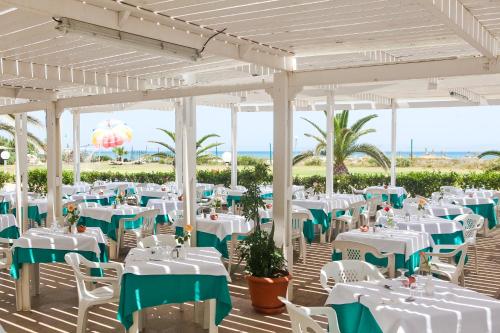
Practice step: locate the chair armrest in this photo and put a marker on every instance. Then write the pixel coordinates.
(455, 249)
(333, 326)
(118, 267)
(104, 279)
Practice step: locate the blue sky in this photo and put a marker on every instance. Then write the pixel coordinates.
(445, 129)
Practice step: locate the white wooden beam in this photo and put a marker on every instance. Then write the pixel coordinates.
(234, 145)
(24, 107)
(223, 45)
(398, 71)
(179, 137)
(69, 75)
(377, 99)
(458, 18)
(189, 164)
(330, 115)
(393, 142)
(50, 121)
(27, 93)
(76, 146)
(21, 141)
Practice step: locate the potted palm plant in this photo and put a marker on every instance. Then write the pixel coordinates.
(265, 263)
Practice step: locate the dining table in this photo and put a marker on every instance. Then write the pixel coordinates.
(397, 194)
(79, 187)
(107, 218)
(146, 194)
(164, 207)
(9, 229)
(49, 245)
(479, 205)
(216, 233)
(198, 276)
(103, 198)
(405, 244)
(434, 306)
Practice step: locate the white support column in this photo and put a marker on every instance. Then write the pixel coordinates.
(189, 164)
(21, 142)
(76, 146)
(179, 128)
(54, 164)
(330, 114)
(282, 165)
(393, 142)
(234, 145)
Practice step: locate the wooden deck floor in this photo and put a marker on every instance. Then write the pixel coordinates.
(55, 309)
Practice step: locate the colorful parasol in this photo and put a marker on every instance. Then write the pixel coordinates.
(111, 133)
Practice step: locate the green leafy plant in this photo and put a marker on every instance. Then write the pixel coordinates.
(251, 201)
(345, 142)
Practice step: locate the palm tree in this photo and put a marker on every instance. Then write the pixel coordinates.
(345, 142)
(119, 152)
(489, 153)
(202, 154)
(7, 126)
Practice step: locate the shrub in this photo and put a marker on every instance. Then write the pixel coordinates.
(313, 162)
(402, 162)
(249, 160)
(102, 158)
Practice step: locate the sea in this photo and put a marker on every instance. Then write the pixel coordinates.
(136, 154)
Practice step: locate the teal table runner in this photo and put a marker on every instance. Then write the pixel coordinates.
(103, 201)
(11, 232)
(22, 256)
(205, 239)
(396, 201)
(411, 264)
(487, 211)
(355, 318)
(34, 214)
(145, 199)
(321, 218)
(109, 228)
(143, 291)
(4, 207)
(237, 198)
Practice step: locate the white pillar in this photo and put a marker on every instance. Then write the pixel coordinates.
(393, 143)
(330, 114)
(282, 165)
(76, 146)
(179, 128)
(234, 144)
(189, 164)
(54, 164)
(21, 142)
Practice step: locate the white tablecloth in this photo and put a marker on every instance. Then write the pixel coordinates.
(451, 309)
(467, 201)
(239, 192)
(94, 196)
(388, 240)
(446, 210)
(153, 193)
(432, 225)
(165, 206)
(114, 185)
(198, 261)
(9, 196)
(268, 213)
(225, 226)
(44, 238)
(75, 188)
(337, 202)
(105, 213)
(7, 221)
(390, 189)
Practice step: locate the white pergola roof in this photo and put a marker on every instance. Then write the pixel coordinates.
(256, 39)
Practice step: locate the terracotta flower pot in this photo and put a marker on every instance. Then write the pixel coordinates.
(264, 293)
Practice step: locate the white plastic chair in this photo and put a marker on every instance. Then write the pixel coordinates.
(350, 220)
(298, 219)
(5, 257)
(355, 190)
(157, 240)
(454, 273)
(358, 251)
(345, 271)
(302, 322)
(101, 295)
(147, 227)
(472, 223)
(371, 210)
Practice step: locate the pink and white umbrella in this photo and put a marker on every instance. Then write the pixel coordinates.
(111, 133)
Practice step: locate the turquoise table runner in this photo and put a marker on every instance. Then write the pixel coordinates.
(355, 318)
(396, 201)
(204, 239)
(162, 219)
(411, 264)
(4, 207)
(237, 198)
(145, 199)
(319, 217)
(109, 228)
(103, 201)
(22, 256)
(487, 211)
(11, 232)
(143, 291)
(34, 214)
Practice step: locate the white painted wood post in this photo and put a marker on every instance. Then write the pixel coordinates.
(330, 114)
(189, 164)
(59, 177)
(54, 164)
(282, 166)
(234, 145)
(179, 127)
(21, 142)
(76, 146)
(393, 142)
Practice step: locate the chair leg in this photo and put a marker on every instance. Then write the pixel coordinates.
(232, 249)
(475, 259)
(82, 318)
(303, 250)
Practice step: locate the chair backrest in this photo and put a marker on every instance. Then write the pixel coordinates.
(355, 190)
(148, 221)
(461, 262)
(88, 205)
(471, 223)
(74, 260)
(372, 204)
(157, 240)
(298, 219)
(355, 211)
(355, 250)
(176, 216)
(299, 195)
(302, 322)
(122, 188)
(345, 271)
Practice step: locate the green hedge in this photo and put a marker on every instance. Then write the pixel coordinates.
(422, 183)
